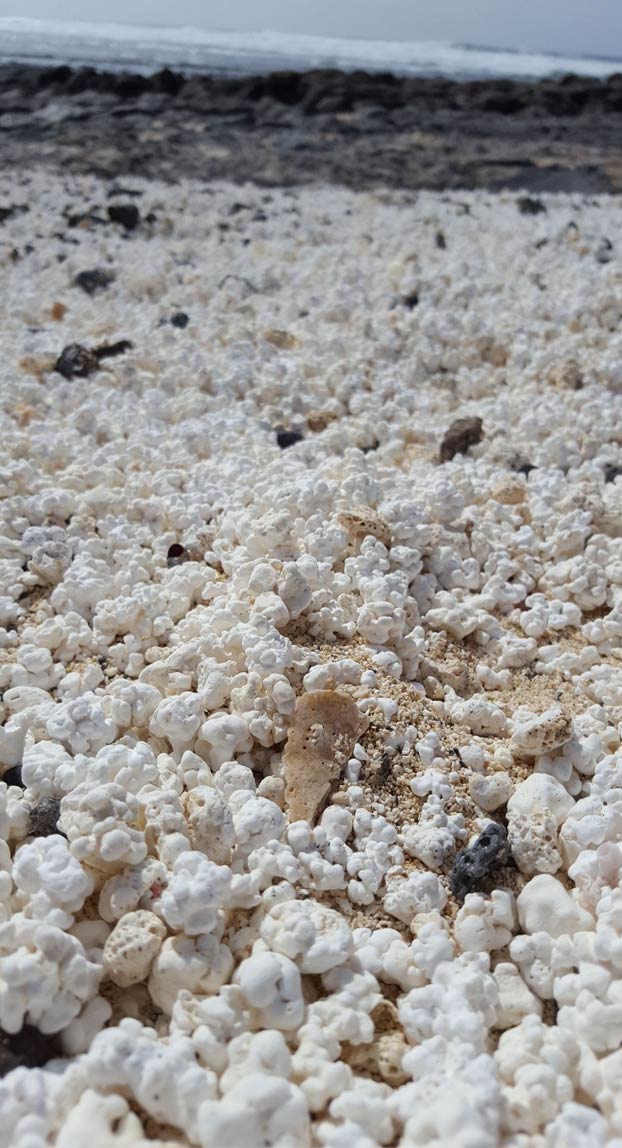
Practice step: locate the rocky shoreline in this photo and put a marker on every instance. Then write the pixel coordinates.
(359, 130)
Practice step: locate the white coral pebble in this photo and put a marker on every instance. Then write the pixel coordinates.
(536, 809)
(46, 866)
(544, 905)
(258, 1109)
(271, 984)
(197, 891)
(45, 975)
(316, 937)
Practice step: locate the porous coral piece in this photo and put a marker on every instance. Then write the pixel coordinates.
(132, 946)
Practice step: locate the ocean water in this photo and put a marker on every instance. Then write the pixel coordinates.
(145, 49)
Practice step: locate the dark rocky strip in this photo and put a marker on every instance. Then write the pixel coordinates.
(357, 129)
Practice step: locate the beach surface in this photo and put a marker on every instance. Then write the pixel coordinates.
(311, 557)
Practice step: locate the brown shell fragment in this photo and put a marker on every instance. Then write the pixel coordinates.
(462, 434)
(325, 728)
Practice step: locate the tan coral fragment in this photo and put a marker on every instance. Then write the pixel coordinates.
(321, 739)
(362, 520)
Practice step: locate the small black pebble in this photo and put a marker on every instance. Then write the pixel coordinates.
(411, 300)
(177, 554)
(440, 241)
(27, 1048)
(180, 319)
(612, 472)
(76, 361)
(13, 776)
(471, 866)
(44, 817)
(287, 438)
(127, 214)
(92, 281)
(529, 206)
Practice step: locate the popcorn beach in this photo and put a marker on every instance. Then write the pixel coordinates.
(310, 667)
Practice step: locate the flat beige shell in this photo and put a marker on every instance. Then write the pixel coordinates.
(322, 736)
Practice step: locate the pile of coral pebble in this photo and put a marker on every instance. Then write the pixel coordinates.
(310, 668)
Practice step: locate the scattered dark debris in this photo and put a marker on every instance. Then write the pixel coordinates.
(177, 554)
(382, 771)
(116, 190)
(462, 434)
(440, 240)
(27, 1048)
(287, 438)
(11, 210)
(180, 319)
(471, 866)
(44, 817)
(95, 280)
(612, 472)
(127, 214)
(528, 205)
(525, 468)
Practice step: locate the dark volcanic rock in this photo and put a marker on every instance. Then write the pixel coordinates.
(76, 361)
(27, 1048)
(411, 301)
(462, 434)
(13, 776)
(287, 438)
(289, 128)
(127, 214)
(177, 554)
(95, 280)
(44, 817)
(473, 866)
(529, 206)
(180, 319)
